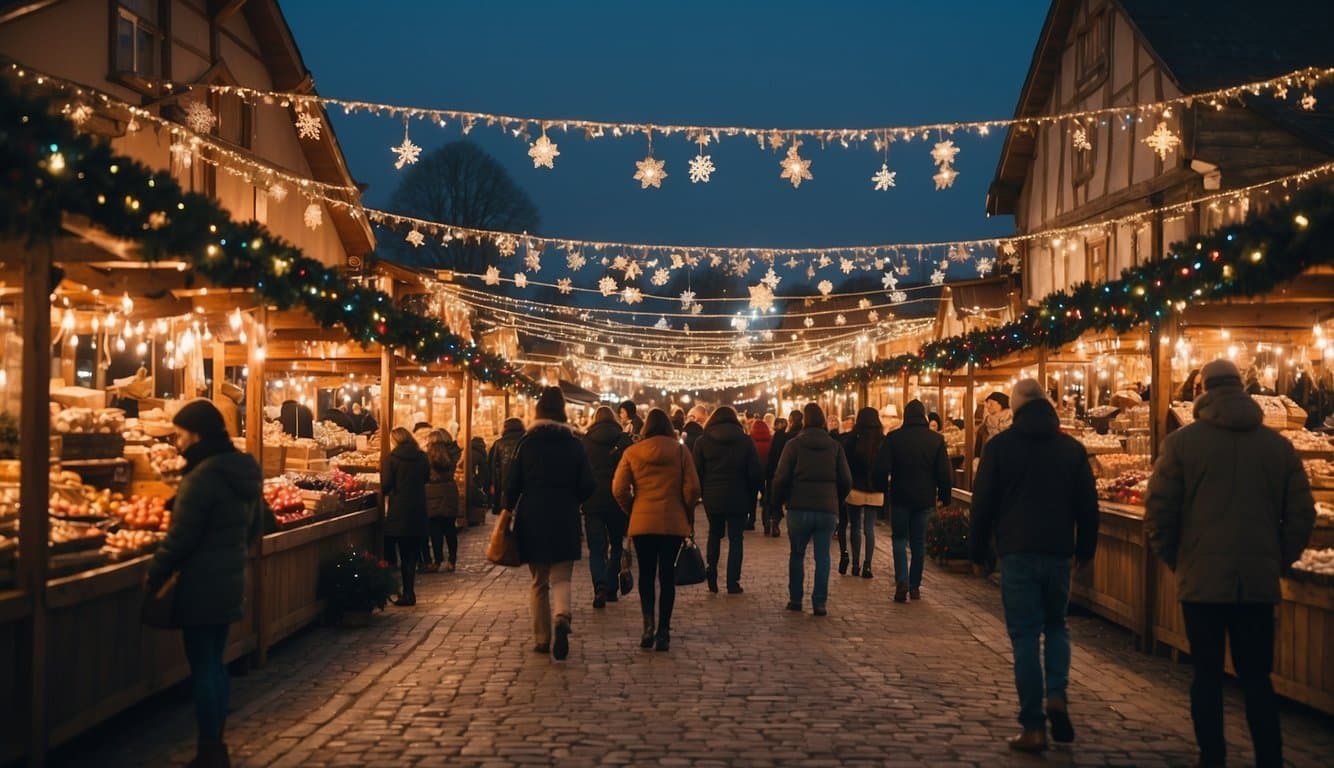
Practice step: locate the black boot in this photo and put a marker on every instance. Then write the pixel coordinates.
(843, 561)
(712, 576)
(646, 641)
(600, 598)
(663, 641)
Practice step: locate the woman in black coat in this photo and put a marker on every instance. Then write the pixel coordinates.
(730, 477)
(442, 500)
(605, 522)
(773, 513)
(403, 482)
(548, 479)
(867, 496)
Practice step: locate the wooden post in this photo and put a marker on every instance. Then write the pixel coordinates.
(34, 486)
(1042, 368)
(969, 429)
(254, 390)
(1160, 386)
(903, 393)
(466, 428)
(863, 394)
(219, 367)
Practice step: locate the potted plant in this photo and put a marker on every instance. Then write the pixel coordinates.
(356, 583)
(947, 538)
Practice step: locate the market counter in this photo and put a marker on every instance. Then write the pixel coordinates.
(15, 608)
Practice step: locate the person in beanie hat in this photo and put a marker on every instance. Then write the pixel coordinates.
(1229, 510)
(1035, 492)
(548, 480)
(914, 456)
(996, 418)
(215, 518)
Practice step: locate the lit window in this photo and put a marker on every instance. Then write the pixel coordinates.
(140, 41)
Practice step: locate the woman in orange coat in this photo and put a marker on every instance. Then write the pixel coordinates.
(656, 485)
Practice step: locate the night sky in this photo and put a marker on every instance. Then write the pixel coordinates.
(764, 64)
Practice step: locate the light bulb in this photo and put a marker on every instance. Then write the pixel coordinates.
(141, 349)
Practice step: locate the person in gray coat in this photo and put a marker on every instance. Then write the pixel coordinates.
(811, 479)
(1229, 510)
(406, 524)
(215, 518)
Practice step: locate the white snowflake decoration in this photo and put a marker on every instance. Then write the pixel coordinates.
(416, 238)
(565, 285)
(872, 316)
(678, 261)
(701, 169)
(506, 245)
(575, 261)
(840, 319)
(1162, 141)
(1008, 248)
(696, 308)
(543, 152)
(1308, 102)
(650, 172)
(944, 153)
(199, 117)
(1081, 139)
(889, 282)
(687, 299)
(632, 295)
(662, 324)
(825, 287)
(619, 263)
(761, 297)
(771, 279)
(864, 304)
(958, 253)
(607, 286)
(945, 177)
(661, 276)
(632, 269)
(80, 114)
(808, 322)
(308, 126)
(533, 260)
(314, 215)
(407, 152)
(984, 266)
(898, 297)
(938, 277)
(491, 276)
(795, 169)
(904, 269)
(520, 280)
(884, 178)
(277, 192)
(846, 265)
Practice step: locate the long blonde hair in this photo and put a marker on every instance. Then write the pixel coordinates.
(400, 435)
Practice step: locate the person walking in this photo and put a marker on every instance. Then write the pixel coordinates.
(548, 481)
(730, 478)
(862, 447)
(406, 524)
(442, 500)
(1035, 491)
(498, 462)
(812, 477)
(215, 519)
(772, 510)
(629, 416)
(1229, 510)
(695, 421)
(762, 435)
(477, 482)
(605, 522)
(917, 463)
(656, 485)
(997, 416)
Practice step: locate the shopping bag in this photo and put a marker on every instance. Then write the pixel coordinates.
(689, 564)
(627, 575)
(503, 548)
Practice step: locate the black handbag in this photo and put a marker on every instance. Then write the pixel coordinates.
(627, 576)
(689, 564)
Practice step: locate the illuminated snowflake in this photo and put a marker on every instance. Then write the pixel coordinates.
(846, 265)
(884, 178)
(840, 319)
(795, 168)
(661, 276)
(277, 192)
(564, 285)
(761, 297)
(650, 172)
(314, 215)
(632, 295)
(771, 279)
(575, 261)
(701, 168)
(506, 245)
(898, 297)
(984, 266)
(407, 153)
(632, 269)
(678, 261)
(491, 276)
(199, 117)
(308, 126)
(687, 299)
(808, 322)
(1162, 141)
(872, 316)
(533, 260)
(607, 286)
(662, 324)
(825, 287)
(416, 238)
(889, 282)
(938, 277)
(543, 152)
(945, 177)
(944, 153)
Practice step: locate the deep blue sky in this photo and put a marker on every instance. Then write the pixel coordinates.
(781, 64)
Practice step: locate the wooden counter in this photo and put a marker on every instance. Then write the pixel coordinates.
(1113, 585)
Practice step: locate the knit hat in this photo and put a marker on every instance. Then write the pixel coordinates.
(1025, 392)
(1220, 373)
(551, 404)
(200, 417)
(914, 409)
(1000, 398)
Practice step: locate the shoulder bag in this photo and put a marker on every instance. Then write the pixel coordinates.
(689, 568)
(503, 548)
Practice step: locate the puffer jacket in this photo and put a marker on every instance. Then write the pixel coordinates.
(763, 437)
(403, 483)
(549, 479)
(442, 491)
(215, 517)
(605, 443)
(915, 460)
(776, 450)
(730, 475)
(498, 462)
(813, 473)
(1229, 506)
(657, 486)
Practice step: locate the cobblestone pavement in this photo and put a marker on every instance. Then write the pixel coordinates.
(746, 683)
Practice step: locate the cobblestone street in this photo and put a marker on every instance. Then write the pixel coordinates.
(454, 682)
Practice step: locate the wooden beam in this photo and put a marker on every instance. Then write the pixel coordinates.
(254, 394)
(969, 428)
(469, 387)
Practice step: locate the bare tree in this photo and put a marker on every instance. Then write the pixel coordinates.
(460, 184)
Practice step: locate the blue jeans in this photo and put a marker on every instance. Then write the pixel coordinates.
(909, 533)
(604, 567)
(803, 527)
(208, 678)
(1035, 589)
(862, 522)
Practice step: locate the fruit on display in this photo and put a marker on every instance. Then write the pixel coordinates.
(1129, 487)
(292, 516)
(1110, 465)
(82, 501)
(1317, 561)
(165, 459)
(330, 435)
(341, 483)
(105, 421)
(283, 496)
(63, 531)
(1306, 440)
(1094, 442)
(1324, 512)
(147, 513)
(126, 543)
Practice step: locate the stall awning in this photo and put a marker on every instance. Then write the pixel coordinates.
(577, 394)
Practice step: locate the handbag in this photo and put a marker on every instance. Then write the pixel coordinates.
(159, 607)
(627, 575)
(689, 564)
(503, 548)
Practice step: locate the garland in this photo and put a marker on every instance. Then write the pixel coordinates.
(1249, 259)
(50, 169)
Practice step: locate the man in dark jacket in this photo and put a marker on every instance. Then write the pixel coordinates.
(1035, 491)
(499, 459)
(773, 511)
(1229, 510)
(695, 425)
(811, 480)
(605, 522)
(730, 478)
(915, 460)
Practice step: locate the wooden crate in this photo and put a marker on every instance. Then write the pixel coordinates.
(1113, 585)
(1303, 656)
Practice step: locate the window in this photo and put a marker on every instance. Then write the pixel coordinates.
(1095, 266)
(140, 48)
(1091, 52)
(1083, 153)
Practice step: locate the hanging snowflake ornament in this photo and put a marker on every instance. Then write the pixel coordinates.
(506, 245)
(808, 322)
(491, 276)
(277, 192)
(825, 287)
(771, 279)
(898, 297)
(607, 286)
(79, 114)
(872, 316)
(1008, 248)
(632, 269)
(904, 269)
(314, 215)
(687, 299)
(938, 277)
(864, 304)
(795, 169)
(889, 282)
(199, 117)
(1080, 138)
(958, 253)
(846, 266)
(884, 178)
(840, 319)
(416, 238)
(944, 153)
(1162, 141)
(984, 266)
(661, 276)
(407, 152)
(945, 177)
(520, 280)
(308, 126)
(1308, 102)
(543, 152)
(632, 295)
(650, 172)
(761, 297)
(565, 285)
(662, 324)
(678, 261)
(701, 169)
(741, 267)
(532, 261)
(575, 261)
(696, 308)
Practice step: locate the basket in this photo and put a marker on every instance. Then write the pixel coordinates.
(91, 445)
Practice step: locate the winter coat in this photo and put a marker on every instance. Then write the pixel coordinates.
(1229, 506)
(730, 474)
(763, 437)
(548, 480)
(605, 444)
(215, 517)
(992, 424)
(498, 462)
(775, 451)
(1035, 491)
(477, 480)
(917, 465)
(403, 483)
(865, 477)
(442, 492)
(812, 473)
(692, 432)
(657, 486)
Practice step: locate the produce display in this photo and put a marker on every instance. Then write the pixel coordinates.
(1321, 472)
(282, 496)
(124, 543)
(341, 483)
(1111, 465)
(82, 501)
(1096, 443)
(330, 435)
(166, 459)
(1306, 440)
(364, 461)
(64, 532)
(148, 513)
(1129, 487)
(293, 516)
(104, 421)
(1324, 512)
(1316, 561)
